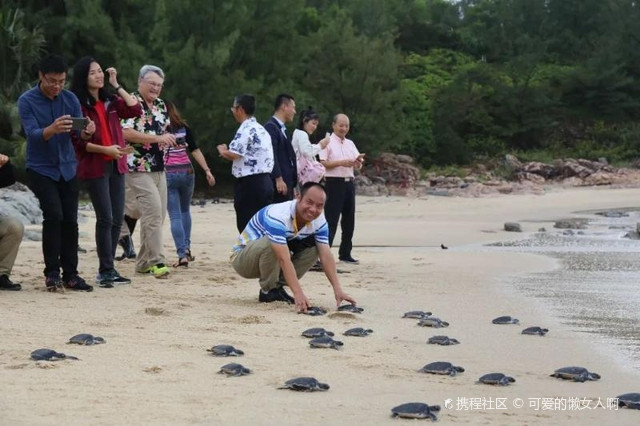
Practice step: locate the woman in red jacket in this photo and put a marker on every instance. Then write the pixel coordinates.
(102, 156)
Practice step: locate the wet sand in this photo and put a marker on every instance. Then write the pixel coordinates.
(154, 368)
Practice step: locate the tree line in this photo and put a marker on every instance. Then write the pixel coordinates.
(447, 82)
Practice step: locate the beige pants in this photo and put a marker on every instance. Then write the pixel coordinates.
(150, 190)
(130, 205)
(11, 231)
(257, 260)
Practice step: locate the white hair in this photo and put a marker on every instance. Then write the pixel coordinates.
(146, 69)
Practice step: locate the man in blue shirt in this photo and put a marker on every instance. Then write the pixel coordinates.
(46, 111)
(281, 242)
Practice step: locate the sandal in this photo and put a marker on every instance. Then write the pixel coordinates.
(190, 258)
(181, 263)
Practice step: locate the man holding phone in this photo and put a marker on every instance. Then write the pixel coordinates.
(341, 158)
(45, 111)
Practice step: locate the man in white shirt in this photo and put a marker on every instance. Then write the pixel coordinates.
(252, 156)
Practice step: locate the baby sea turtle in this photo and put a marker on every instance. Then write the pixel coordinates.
(225, 350)
(358, 332)
(305, 384)
(416, 314)
(234, 369)
(350, 308)
(505, 320)
(577, 374)
(629, 400)
(49, 355)
(316, 332)
(415, 410)
(432, 322)
(535, 331)
(325, 342)
(496, 379)
(315, 311)
(441, 367)
(442, 340)
(86, 339)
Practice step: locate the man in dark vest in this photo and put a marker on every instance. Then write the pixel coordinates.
(284, 174)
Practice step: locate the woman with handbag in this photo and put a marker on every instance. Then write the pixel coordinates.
(309, 168)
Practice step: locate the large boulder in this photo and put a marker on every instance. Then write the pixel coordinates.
(20, 203)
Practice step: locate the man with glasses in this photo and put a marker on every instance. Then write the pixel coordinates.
(285, 169)
(146, 181)
(45, 111)
(252, 156)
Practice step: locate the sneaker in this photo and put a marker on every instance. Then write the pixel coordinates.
(349, 259)
(159, 270)
(53, 282)
(119, 279)
(77, 283)
(6, 284)
(275, 295)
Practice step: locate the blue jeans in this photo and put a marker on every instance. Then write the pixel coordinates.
(179, 193)
(107, 197)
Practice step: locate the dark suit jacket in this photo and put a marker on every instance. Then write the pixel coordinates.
(284, 164)
(7, 175)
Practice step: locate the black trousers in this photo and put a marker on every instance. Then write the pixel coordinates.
(250, 194)
(59, 204)
(107, 197)
(341, 201)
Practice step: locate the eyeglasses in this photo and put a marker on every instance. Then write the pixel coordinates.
(235, 107)
(53, 82)
(154, 84)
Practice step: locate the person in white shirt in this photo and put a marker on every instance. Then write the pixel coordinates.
(252, 156)
(309, 168)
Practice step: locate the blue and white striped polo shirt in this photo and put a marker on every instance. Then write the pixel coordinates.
(277, 222)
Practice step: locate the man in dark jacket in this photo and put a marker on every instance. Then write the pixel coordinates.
(284, 174)
(11, 231)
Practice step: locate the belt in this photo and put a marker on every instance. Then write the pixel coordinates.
(341, 179)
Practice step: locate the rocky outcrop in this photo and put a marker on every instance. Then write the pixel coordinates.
(19, 202)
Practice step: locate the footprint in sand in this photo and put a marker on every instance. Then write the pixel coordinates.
(156, 311)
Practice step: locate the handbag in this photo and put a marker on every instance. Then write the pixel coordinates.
(309, 171)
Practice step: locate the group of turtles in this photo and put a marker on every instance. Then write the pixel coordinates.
(45, 354)
(322, 338)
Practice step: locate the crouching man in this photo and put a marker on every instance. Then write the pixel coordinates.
(281, 242)
(11, 231)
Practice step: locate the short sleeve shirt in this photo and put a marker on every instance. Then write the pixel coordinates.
(154, 120)
(253, 143)
(339, 149)
(277, 222)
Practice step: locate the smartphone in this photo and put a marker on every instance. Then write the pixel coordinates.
(79, 123)
(127, 149)
(361, 156)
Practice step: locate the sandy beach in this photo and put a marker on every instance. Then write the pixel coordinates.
(155, 370)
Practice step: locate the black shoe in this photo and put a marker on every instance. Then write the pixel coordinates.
(317, 267)
(53, 282)
(275, 295)
(77, 283)
(6, 284)
(286, 296)
(349, 259)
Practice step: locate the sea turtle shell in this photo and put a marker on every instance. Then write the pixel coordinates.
(86, 339)
(536, 331)
(441, 367)
(629, 400)
(415, 410)
(225, 350)
(496, 379)
(234, 369)
(305, 384)
(315, 311)
(49, 355)
(432, 322)
(416, 314)
(577, 374)
(507, 319)
(442, 340)
(358, 332)
(350, 308)
(325, 342)
(316, 332)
